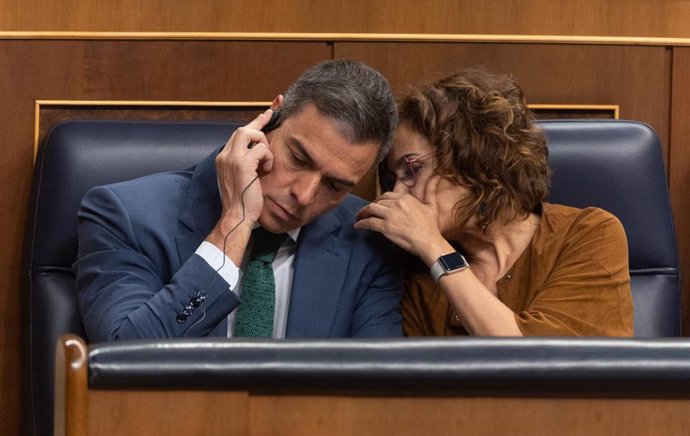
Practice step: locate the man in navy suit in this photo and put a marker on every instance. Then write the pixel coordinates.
(164, 255)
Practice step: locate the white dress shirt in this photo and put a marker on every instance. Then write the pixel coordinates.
(282, 270)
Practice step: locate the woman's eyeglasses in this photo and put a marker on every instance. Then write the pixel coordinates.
(406, 170)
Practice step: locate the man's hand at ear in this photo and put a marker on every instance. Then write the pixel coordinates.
(238, 165)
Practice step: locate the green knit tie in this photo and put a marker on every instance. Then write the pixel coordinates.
(255, 314)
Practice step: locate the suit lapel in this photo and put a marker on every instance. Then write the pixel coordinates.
(319, 275)
(201, 209)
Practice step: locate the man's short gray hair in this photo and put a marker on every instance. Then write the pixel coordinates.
(356, 97)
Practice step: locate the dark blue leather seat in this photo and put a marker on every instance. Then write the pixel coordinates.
(616, 165)
(74, 157)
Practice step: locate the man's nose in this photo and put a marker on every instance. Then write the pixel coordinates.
(305, 188)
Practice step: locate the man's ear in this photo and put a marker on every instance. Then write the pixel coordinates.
(277, 102)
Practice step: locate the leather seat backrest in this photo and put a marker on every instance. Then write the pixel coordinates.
(74, 157)
(618, 166)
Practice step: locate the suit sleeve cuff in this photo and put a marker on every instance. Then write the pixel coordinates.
(217, 260)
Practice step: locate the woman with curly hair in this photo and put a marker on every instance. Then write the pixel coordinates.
(471, 176)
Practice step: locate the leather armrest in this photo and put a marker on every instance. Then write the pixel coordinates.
(469, 365)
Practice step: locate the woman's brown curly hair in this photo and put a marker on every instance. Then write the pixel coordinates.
(485, 140)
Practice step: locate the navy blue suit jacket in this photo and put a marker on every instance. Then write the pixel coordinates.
(137, 269)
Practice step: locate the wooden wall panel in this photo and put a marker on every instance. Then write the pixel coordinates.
(636, 78)
(214, 413)
(658, 18)
(455, 414)
(51, 114)
(103, 70)
(679, 171)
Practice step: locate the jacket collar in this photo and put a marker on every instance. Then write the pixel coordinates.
(202, 207)
(319, 276)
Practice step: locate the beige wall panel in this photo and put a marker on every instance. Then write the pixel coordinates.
(651, 18)
(103, 70)
(679, 174)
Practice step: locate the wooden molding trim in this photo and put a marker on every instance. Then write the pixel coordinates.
(343, 37)
(71, 399)
(39, 104)
(614, 108)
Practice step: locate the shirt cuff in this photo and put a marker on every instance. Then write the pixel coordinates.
(221, 263)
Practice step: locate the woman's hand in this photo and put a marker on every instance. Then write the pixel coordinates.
(413, 225)
(406, 221)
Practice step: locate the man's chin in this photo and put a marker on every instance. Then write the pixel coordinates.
(273, 225)
(276, 219)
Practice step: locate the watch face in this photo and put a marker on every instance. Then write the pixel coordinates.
(452, 261)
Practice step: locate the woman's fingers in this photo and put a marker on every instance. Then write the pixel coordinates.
(372, 210)
(430, 191)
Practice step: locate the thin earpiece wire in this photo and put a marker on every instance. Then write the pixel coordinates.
(225, 241)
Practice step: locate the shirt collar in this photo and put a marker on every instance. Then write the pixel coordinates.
(293, 234)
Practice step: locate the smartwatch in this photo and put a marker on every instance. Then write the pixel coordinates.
(448, 264)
